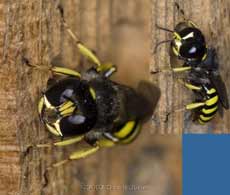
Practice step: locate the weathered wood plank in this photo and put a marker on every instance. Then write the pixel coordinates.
(118, 31)
(208, 15)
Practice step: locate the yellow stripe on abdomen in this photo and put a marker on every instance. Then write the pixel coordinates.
(201, 122)
(212, 101)
(209, 111)
(133, 136)
(125, 130)
(205, 118)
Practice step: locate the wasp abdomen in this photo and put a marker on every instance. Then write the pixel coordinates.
(208, 111)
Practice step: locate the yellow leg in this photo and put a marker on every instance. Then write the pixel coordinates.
(189, 86)
(62, 143)
(181, 11)
(83, 153)
(107, 69)
(88, 54)
(194, 105)
(181, 69)
(40, 105)
(75, 156)
(82, 48)
(55, 70)
(174, 70)
(65, 71)
(105, 143)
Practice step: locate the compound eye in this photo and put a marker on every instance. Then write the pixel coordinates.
(76, 119)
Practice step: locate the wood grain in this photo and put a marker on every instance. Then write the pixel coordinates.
(213, 19)
(119, 31)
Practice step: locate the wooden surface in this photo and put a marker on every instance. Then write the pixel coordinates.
(119, 31)
(213, 19)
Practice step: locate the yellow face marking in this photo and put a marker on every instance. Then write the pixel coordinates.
(83, 153)
(124, 131)
(40, 105)
(182, 69)
(178, 44)
(177, 36)
(211, 91)
(204, 118)
(194, 105)
(92, 92)
(209, 111)
(57, 127)
(188, 36)
(68, 111)
(175, 51)
(52, 130)
(69, 141)
(133, 136)
(88, 54)
(212, 101)
(65, 105)
(47, 103)
(177, 41)
(65, 71)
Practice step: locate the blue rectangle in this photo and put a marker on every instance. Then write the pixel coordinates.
(206, 164)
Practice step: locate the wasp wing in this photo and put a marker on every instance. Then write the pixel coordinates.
(211, 64)
(149, 94)
(221, 88)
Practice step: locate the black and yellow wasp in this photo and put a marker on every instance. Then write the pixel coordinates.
(91, 107)
(201, 65)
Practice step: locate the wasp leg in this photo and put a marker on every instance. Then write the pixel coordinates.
(187, 107)
(181, 11)
(62, 143)
(83, 153)
(189, 85)
(192, 24)
(82, 48)
(182, 69)
(107, 69)
(55, 69)
(174, 70)
(65, 71)
(75, 156)
(104, 142)
(194, 105)
(88, 54)
(41, 104)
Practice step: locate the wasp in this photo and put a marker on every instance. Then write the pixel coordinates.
(90, 107)
(201, 65)
(208, 88)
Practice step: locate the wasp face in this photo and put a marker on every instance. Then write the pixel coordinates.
(189, 45)
(68, 108)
